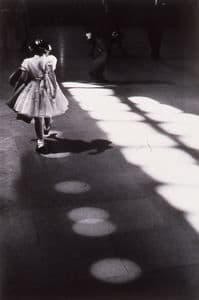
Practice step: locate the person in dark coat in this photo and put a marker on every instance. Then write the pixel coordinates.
(156, 28)
(99, 37)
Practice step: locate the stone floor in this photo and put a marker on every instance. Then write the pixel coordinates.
(112, 212)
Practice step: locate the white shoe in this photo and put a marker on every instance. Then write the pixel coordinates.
(40, 143)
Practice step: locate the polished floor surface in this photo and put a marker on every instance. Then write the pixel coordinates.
(112, 211)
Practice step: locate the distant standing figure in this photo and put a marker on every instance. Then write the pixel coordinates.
(156, 28)
(99, 54)
(99, 35)
(42, 98)
(117, 39)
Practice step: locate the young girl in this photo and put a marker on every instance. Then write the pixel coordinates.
(42, 97)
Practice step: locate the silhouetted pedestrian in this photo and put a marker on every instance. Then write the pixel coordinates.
(156, 28)
(99, 36)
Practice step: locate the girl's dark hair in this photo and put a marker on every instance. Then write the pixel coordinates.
(39, 47)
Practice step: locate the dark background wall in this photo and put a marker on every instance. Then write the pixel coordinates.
(127, 12)
(178, 18)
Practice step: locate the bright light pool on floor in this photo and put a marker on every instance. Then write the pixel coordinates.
(81, 93)
(163, 146)
(185, 125)
(85, 85)
(56, 155)
(72, 84)
(193, 220)
(134, 134)
(184, 198)
(72, 187)
(150, 105)
(116, 116)
(91, 222)
(83, 213)
(94, 227)
(155, 110)
(146, 156)
(116, 270)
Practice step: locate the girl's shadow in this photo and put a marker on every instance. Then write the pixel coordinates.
(59, 145)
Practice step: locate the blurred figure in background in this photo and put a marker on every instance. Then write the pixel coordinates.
(99, 37)
(117, 41)
(99, 55)
(156, 28)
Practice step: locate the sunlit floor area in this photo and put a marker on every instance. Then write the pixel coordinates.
(112, 211)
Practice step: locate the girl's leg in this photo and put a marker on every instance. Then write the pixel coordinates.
(39, 129)
(39, 123)
(47, 123)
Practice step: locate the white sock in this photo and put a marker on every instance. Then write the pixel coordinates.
(40, 143)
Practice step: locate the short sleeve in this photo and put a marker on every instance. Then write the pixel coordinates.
(24, 65)
(52, 61)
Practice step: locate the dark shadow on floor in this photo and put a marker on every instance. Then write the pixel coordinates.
(59, 145)
(44, 257)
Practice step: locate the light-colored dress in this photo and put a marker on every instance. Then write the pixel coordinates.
(42, 96)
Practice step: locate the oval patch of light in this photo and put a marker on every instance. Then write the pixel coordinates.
(94, 227)
(87, 212)
(72, 187)
(115, 270)
(56, 155)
